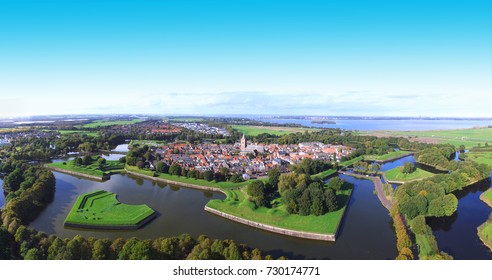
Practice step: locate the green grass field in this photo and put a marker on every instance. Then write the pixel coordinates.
(236, 205)
(468, 137)
(388, 156)
(350, 162)
(396, 175)
(324, 174)
(154, 143)
(93, 169)
(199, 182)
(101, 208)
(89, 133)
(480, 157)
(251, 130)
(100, 123)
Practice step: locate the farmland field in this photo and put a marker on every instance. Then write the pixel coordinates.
(100, 123)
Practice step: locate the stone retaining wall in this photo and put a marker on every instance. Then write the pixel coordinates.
(91, 177)
(294, 233)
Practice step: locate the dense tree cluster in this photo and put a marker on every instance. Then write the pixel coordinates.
(432, 196)
(27, 243)
(437, 156)
(301, 195)
(29, 189)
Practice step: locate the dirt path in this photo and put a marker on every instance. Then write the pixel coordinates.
(378, 186)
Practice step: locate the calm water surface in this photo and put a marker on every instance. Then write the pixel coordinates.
(365, 234)
(386, 124)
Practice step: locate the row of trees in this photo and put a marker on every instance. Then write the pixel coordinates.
(30, 244)
(311, 166)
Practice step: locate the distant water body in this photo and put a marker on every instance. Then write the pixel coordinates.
(385, 124)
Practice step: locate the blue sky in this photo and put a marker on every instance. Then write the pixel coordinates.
(374, 58)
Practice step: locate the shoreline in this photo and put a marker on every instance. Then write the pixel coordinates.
(283, 231)
(79, 174)
(485, 199)
(393, 158)
(186, 185)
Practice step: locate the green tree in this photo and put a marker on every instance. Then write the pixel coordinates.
(208, 175)
(175, 169)
(101, 249)
(274, 177)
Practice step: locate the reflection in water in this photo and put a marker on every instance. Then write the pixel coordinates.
(366, 232)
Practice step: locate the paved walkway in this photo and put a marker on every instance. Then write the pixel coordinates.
(377, 184)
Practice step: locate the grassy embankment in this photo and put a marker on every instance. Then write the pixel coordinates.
(468, 137)
(350, 162)
(101, 123)
(395, 174)
(152, 143)
(237, 204)
(93, 169)
(388, 156)
(485, 230)
(102, 209)
(185, 180)
(251, 130)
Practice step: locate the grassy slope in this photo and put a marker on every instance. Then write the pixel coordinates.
(92, 169)
(236, 204)
(109, 123)
(350, 162)
(104, 209)
(387, 156)
(324, 174)
(186, 180)
(395, 174)
(255, 130)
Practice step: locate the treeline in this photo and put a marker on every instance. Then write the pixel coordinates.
(311, 166)
(29, 189)
(404, 243)
(437, 156)
(30, 244)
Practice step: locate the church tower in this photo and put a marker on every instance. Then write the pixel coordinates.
(243, 143)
